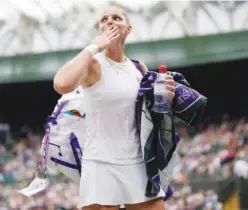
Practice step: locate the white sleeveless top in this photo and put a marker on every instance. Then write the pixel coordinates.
(110, 114)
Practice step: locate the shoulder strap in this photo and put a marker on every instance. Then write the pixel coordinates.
(140, 66)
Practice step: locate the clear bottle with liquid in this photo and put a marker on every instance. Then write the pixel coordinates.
(161, 94)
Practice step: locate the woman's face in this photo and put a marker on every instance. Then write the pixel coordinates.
(114, 17)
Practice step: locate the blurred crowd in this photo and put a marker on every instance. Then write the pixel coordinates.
(212, 153)
(18, 164)
(206, 157)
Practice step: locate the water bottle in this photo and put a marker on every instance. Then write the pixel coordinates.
(161, 94)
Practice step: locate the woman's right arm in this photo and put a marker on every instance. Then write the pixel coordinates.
(81, 68)
(71, 75)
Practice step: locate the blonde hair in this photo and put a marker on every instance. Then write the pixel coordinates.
(124, 13)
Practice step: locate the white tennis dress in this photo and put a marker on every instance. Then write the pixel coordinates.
(113, 171)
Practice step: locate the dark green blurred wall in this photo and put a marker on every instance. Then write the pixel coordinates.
(174, 53)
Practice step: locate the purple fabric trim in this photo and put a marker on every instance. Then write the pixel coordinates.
(168, 194)
(59, 109)
(63, 163)
(51, 120)
(156, 181)
(177, 138)
(76, 151)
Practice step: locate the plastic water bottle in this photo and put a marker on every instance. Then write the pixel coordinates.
(161, 94)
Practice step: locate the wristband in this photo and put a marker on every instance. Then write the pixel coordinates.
(92, 48)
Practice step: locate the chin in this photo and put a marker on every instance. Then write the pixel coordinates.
(118, 41)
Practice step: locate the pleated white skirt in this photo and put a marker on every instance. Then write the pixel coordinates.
(110, 184)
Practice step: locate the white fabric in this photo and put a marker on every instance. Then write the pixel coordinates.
(76, 100)
(241, 169)
(37, 185)
(63, 140)
(166, 175)
(113, 171)
(110, 109)
(59, 134)
(111, 184)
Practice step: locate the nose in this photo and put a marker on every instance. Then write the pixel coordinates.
(110, 22)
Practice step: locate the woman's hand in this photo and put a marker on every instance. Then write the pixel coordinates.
(170, 85)
(107, 37)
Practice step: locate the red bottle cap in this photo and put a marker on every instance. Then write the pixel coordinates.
(162, 69)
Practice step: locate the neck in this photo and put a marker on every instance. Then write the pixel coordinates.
(116, 53)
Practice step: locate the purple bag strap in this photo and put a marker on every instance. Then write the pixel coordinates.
(52, 119)
(76, 151)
